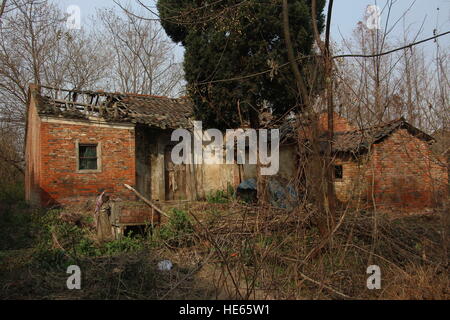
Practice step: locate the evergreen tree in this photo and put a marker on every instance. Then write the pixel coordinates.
(227, 39)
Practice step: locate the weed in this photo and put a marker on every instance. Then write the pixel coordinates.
(178, 231)
(127, 243)
(221, 196)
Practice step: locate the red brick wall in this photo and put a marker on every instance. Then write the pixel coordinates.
(407, 175)
(59, 180)
(340, 124)
(399, 174)
(141, 215)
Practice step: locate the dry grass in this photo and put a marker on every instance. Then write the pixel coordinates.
(266, 253)
(417, 283)
(242, 251)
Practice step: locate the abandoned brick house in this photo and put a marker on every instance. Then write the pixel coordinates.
(79, 143)
(84, 142)
(389, 166)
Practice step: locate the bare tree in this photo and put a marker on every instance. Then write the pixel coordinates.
(405, 83)
(36, 47)
(2, 7)
(144, 60)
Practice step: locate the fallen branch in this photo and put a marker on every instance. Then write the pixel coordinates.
(148, 202)
(56, 243)
(325, 286)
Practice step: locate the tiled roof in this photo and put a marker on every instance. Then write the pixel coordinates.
(357, 140)
(160, 112)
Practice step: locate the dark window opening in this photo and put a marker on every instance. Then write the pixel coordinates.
(137, 231)
(87, 156)
(338, 172)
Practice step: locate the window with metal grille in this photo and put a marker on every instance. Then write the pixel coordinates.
(87, 157)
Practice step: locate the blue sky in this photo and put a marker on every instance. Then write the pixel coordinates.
(346, 14)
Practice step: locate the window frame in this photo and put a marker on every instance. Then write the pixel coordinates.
(98, 145)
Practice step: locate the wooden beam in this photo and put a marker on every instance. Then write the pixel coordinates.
(148, 202)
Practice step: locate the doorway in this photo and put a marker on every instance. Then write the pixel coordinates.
(174, 177)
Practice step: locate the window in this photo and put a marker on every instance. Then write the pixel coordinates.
(338, 172)
(87, 157)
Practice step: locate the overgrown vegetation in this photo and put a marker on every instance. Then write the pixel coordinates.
(272, 254)
(37, 246)
(218, 196)
(225, 250)
(177, 232)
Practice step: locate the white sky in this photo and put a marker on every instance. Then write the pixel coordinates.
(433, 14)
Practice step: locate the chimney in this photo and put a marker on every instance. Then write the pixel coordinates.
(340, 124)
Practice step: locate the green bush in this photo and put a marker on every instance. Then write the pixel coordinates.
(87, 247)
(16, 228)
(178, 230)
(125, 244)
(51, 259)
(12, 193)
(76, 241)
(218, 196)
(50, 228)
(221, 196)
(180, 221)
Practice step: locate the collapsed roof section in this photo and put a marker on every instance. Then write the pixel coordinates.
(154, 111)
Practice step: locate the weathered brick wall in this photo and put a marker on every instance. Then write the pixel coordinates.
(340, 124)
(353, 185)
(59, 180)
(407, 175)
(138, 215)
(399, 174)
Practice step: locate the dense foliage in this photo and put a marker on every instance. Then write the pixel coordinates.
(233, 39)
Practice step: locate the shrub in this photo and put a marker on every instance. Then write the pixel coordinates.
(218, 196)
(51, 259)
(87, 247)
(16, 229)
(12, 193)
(125, 244)
(178, 231)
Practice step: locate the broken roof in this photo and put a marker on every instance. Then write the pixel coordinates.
(358, 140)
(154, 111)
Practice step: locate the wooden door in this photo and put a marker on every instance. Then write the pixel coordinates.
(174, 177)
